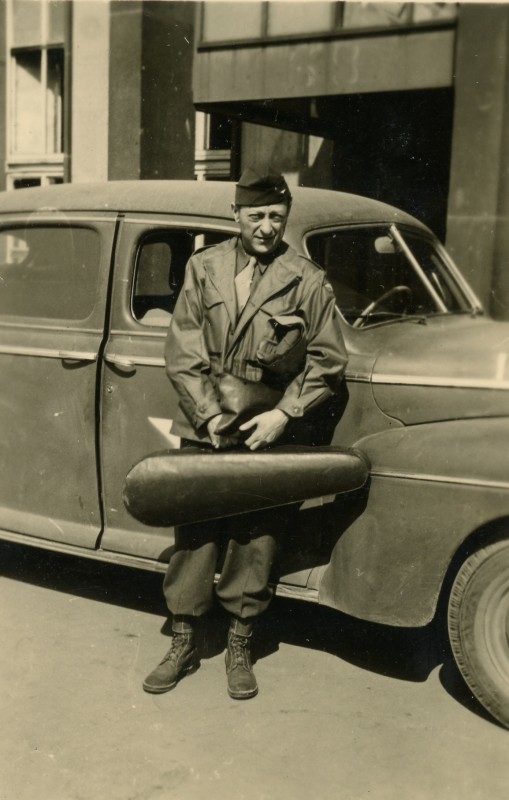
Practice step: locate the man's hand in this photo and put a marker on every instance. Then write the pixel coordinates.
(219, 442)
(267, 428)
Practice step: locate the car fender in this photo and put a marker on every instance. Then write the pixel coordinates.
(431, 487)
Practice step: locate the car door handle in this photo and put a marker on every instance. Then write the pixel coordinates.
(121, 363)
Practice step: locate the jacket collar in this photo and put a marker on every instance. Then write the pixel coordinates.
(220, 263)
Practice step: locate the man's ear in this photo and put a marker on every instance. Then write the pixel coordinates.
(235, 210)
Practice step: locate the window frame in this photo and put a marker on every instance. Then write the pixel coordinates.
(385, 229)
(12, 223)
(160, 230)
(335, 31)
(48, 153)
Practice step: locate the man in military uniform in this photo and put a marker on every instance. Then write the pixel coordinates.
(251, 308)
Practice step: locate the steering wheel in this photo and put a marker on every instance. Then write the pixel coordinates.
(396, 290)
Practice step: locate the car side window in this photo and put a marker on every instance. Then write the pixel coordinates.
(161, 260)
(48, 271)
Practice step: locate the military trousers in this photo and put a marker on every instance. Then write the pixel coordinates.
(241, 549)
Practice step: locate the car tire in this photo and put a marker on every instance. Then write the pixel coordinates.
(478, 622)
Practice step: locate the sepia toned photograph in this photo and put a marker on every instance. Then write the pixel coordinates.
(254, 400)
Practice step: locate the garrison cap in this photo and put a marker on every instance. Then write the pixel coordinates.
(261, 189)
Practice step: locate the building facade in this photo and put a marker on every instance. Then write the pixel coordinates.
(405, 102)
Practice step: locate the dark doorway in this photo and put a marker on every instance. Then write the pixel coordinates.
(395, 147)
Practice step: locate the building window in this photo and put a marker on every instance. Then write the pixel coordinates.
(239, 21)
(37, 102)
(36, 41)
(386, 15)
(25, 183)
(298, 18)
(213, 146)
(232, 21)
(24, 180)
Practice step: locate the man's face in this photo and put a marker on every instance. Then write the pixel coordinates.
(261, 227)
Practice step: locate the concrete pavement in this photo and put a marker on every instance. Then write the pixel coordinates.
(346, 711)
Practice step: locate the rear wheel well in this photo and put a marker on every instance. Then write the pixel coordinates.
(474, 616)
(487, 534)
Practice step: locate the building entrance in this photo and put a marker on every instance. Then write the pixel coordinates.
(395, 147)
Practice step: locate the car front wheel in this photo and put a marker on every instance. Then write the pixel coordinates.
(478, 620)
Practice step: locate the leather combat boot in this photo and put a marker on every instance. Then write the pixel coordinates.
(241, 679)
(180, 660)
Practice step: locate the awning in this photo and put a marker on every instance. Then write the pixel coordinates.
(227, 76)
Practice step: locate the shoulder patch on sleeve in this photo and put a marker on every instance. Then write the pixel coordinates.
(310, 265)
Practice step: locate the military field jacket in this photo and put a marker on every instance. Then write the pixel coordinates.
(207, 336)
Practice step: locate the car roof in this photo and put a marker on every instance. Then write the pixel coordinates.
(311, 207)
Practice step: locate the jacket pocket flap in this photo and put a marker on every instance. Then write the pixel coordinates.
(287, 321)
(211, 296)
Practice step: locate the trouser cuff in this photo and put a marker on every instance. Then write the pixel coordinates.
(182, 624)
(241, 627)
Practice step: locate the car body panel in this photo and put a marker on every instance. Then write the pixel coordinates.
(429, 491)
(208, 199)
(448, 368)
(48, 399)
(415, 548)
(138, 401)
(425, 398)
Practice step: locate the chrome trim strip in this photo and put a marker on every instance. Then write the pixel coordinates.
(140, 361)
(47, 352)
(452, 383)
(357, 377)
(417, 267)
(47, 326)
(54, 215)
(465, 287)
(180, 221)
(136, 562)
(149, 331)
(153, 361)
(441, 479)
(297, 592)
(121, 559)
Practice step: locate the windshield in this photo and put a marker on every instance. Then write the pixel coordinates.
(382, 273)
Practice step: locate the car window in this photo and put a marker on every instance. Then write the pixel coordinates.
(375, 278)
(161, 259)
(439, 276)
(48, 271)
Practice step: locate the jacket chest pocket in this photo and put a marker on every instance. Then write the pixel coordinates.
(282, 346)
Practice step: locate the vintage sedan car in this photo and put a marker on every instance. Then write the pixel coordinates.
(89, 275)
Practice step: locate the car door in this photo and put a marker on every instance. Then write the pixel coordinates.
(346, 254)
(53, 292)
(138, 401)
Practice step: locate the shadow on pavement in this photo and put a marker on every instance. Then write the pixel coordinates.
(453, 683)
(406, 654)
(107, 583)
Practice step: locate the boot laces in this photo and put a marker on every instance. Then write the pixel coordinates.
(178, 643)
(239, 648)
